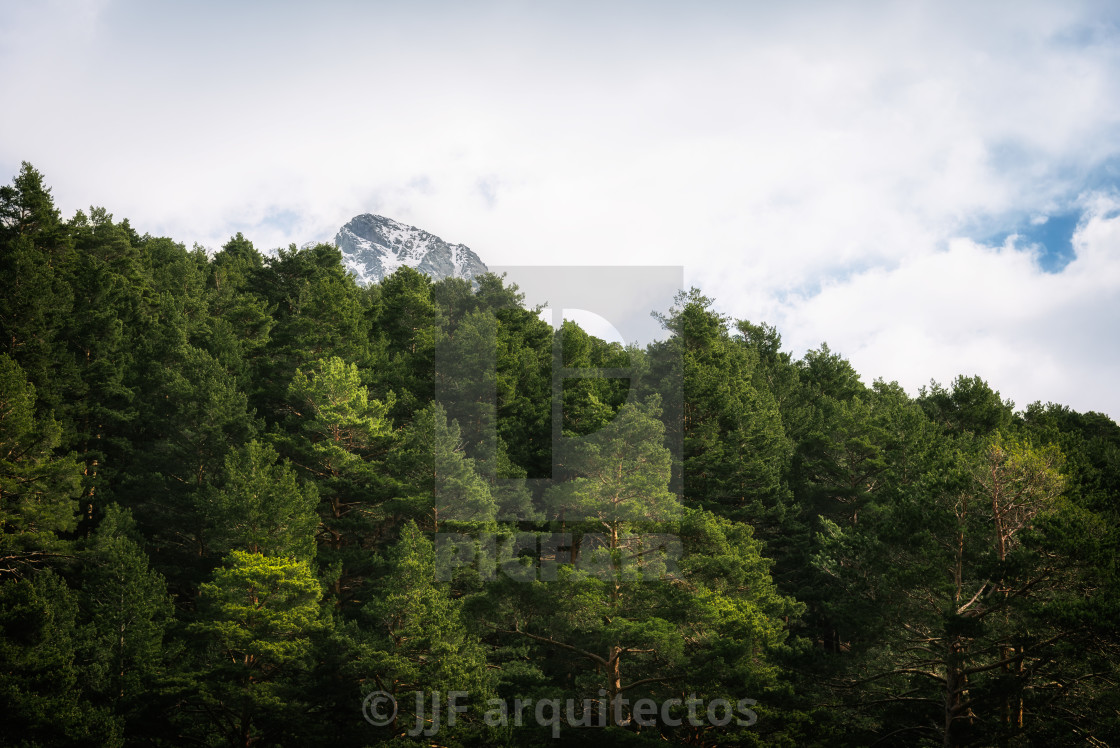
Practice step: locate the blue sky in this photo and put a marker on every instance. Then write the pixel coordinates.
(931, 188)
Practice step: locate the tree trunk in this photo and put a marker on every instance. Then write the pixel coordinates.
(956, 686)
(614, 684)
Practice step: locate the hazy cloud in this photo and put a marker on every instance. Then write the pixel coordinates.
(837, 171)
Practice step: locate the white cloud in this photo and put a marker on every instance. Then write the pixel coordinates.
(991, 311)
(772, 152)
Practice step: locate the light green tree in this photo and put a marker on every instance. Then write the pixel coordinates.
(259, 616)
(443, 489)
(619, 474)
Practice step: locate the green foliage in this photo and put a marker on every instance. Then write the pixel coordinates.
(262, 610)
(41, 683)
(260, 615)
(735, 449)
(317, 313)
(967, 577)
(418, 639)
(262, 508)
(590, 402)
(37, 488)
(341, 434)
(633, 617)
(445, 485)
(970, 407)
(620, 474)
(404, 328)
(216, 474)
(524, 379)
(827, 374)
(34, 254)
(239, 323)
(127, 610)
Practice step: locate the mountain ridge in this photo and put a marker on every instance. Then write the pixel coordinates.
(374, 246)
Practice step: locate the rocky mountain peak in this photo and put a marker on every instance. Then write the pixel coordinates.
(374, 246)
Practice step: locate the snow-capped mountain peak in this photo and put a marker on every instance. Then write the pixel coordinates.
(375, 246)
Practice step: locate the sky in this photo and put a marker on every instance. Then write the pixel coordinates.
(933, 189)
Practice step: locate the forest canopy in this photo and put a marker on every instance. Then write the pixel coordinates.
(240, 503)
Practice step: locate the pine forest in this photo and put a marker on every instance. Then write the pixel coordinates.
(247, 501)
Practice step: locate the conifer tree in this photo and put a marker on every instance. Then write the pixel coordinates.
(35, 253)
(419, 641)
(38, 488)
(261, 507)
(41, 683)
(650, 575)
(127, 610)
(259, 617)
(341, 437)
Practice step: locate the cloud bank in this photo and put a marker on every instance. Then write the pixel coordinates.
(837, 171)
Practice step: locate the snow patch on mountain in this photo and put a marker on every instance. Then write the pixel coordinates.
(375, 246)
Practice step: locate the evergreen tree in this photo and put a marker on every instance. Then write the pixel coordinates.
(35, 252)
(260, 613)
(341, 437)
(127, 611)
(965, 574)
(971, 406)
(419, 642)
(404, 329)
(446, 492)
(38, 488)
(319, 313)
(41, 682)
(239, 322)
(735, 450)
(262, 508)
(109, 311)
(614, 625)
